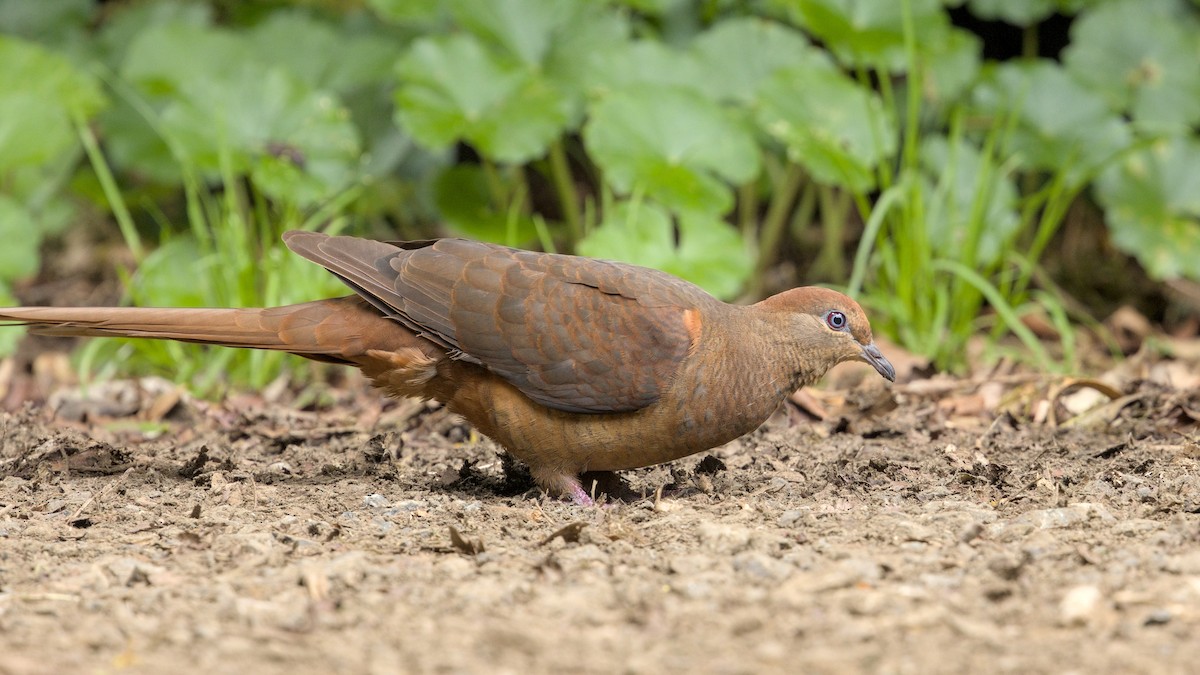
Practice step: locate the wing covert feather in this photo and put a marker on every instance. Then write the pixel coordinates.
(572, 333)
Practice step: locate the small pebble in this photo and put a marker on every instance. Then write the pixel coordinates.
(375, 501)
(1079, 604)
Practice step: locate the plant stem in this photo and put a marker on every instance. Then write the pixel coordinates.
(747, 206)
(494, 184)
(835, 206)
(109, 184)
(887, 201)
(775, 220)
(560, 172)
(520, 192)
(1029, 42)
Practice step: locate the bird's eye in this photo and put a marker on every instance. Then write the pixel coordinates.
(836, 320)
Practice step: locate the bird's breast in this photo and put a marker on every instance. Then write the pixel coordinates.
(700, 410)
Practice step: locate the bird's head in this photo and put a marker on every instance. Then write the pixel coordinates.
(828, 326)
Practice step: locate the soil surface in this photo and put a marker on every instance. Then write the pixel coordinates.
(897, 534)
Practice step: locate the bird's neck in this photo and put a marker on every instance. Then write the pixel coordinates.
(779, 338)
(756, 357)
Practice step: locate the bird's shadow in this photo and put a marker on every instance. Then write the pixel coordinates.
(516, 480)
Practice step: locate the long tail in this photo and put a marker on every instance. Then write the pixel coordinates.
(337, 330)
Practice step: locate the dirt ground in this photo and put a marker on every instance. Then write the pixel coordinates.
(182, 536)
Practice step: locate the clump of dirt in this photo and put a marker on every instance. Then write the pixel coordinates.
(916, 536)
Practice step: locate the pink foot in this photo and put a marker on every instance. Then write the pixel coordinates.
(580, 497)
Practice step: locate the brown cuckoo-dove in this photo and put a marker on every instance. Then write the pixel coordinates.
(571, 364)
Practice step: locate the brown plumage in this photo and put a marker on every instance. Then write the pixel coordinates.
(572, 364)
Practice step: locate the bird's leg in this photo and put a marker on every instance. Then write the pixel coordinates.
(580, 497)
(563, 484)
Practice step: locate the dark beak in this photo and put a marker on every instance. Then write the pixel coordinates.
(872, 355)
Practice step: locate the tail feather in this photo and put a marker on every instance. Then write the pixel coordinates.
(232, 327)
(326, 330)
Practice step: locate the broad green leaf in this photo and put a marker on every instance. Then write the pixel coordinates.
(835, 128)
(1061, 125)
(1143, 56)
(135, 147)
(40, 92)
(33, 129)
(453, 88)
(593, 32)
(296, 143)
(38, 189)
(557, 43)
(762, 48)
(409, 12)
(523, 29)
(644, 62)
(1024, 12)
(513, 82)
(362, 74)
(131, 141)
(1151, 201)
(19, 257)
(710, 253)
(165, 58)
(53, 22)
(215, 98)
(172, 275)
(672, 143)
(123, 28)
(653, 7)
(868, 32)
(465, 205)
(333, 58)
(950, 66)
(965, 203)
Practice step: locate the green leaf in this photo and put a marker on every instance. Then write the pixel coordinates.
(1023, 12)
(465, 204)
(673, 144)
(559, 44)
(653, 7)
(216, 98)
(51, 22)
(510, 84)
(164, 58)
(1061, 125)
(762, 48)
(868, 32)
(361, 58)
(523, 29)
(134, 146)
(409, 12)
(710, 253)
(19, 257)
(950, 65)
(129, 139)
(40, 92)
(644, 62)
(1143, 56)
(454, 89)
(973, 203)
(173, 275)
(122, 29)
(833, 127)
(1152, 205)
(592, 34)
(296, 143)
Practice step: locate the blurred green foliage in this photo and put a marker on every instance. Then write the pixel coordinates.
(704, 137)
